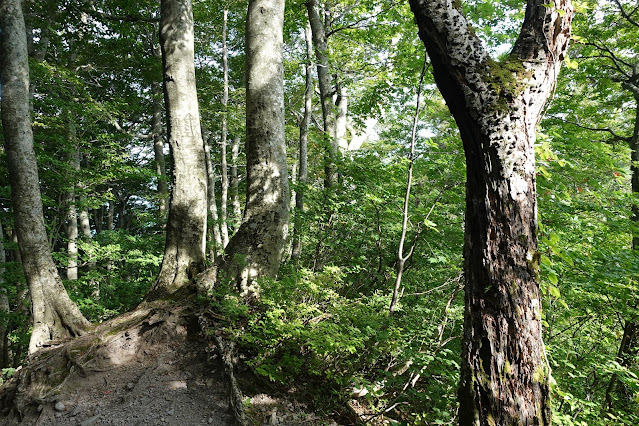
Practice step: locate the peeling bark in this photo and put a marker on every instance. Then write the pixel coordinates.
(184, 251)
(497, 106)
(255, 251)
(55, 316)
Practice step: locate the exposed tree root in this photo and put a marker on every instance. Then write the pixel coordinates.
(136, 340)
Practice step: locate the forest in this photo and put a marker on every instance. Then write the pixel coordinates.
(417, 212)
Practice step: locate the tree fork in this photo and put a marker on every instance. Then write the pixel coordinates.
(497, 106)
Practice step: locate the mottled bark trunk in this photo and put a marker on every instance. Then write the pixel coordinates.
(497, 106)
(55, 316)
(184, 251)
(255, 251)
(320, 43)
(302, 172)
(158, 151)
(235, 183)
(224, 166)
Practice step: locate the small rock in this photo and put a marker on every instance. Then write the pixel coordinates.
(274, 420)
(90, 421)
(210, 420)
(170, 412)
(59, 406)
(130, 386)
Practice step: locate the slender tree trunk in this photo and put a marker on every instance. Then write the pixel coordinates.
(5, 309)
(158, 151)
(235, 196)
(497, 106)
(627, 352)
(255, 251)
(214, 228)
(72, 213)
(224, 166)
(302, 173)
(110, 225)
(628, 348)
(320, 42)
(401, 259)
(184, 251)
(341, 118)
(634, 160)
(55, 316)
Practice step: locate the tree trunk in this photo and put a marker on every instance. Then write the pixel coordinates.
(72, 213)
(158, 151)
(55, 316)
(5, 309)
(634, 158)
(628, 351)
(184, 251)
(320, 42)
(341, 118)
(302, 173)
(628, 347)
(255, 251)
(497, 106)
(225, 178)
(212, 203)
(110, 225)
(235, 196)
(401, 258)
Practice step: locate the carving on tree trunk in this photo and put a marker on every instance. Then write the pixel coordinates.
(184, 251)
(497, 106)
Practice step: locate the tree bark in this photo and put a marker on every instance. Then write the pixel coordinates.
(224, 166)
(255, 251)
(212, 203)
(235, 183)
(158, 151)
(341, 118)
(184, 251)
(5, 308)
(55, 316)
(497, 106)
(302, 172)
(72, 212)
(320, 42)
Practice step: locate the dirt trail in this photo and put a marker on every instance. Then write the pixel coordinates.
(152, 366)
